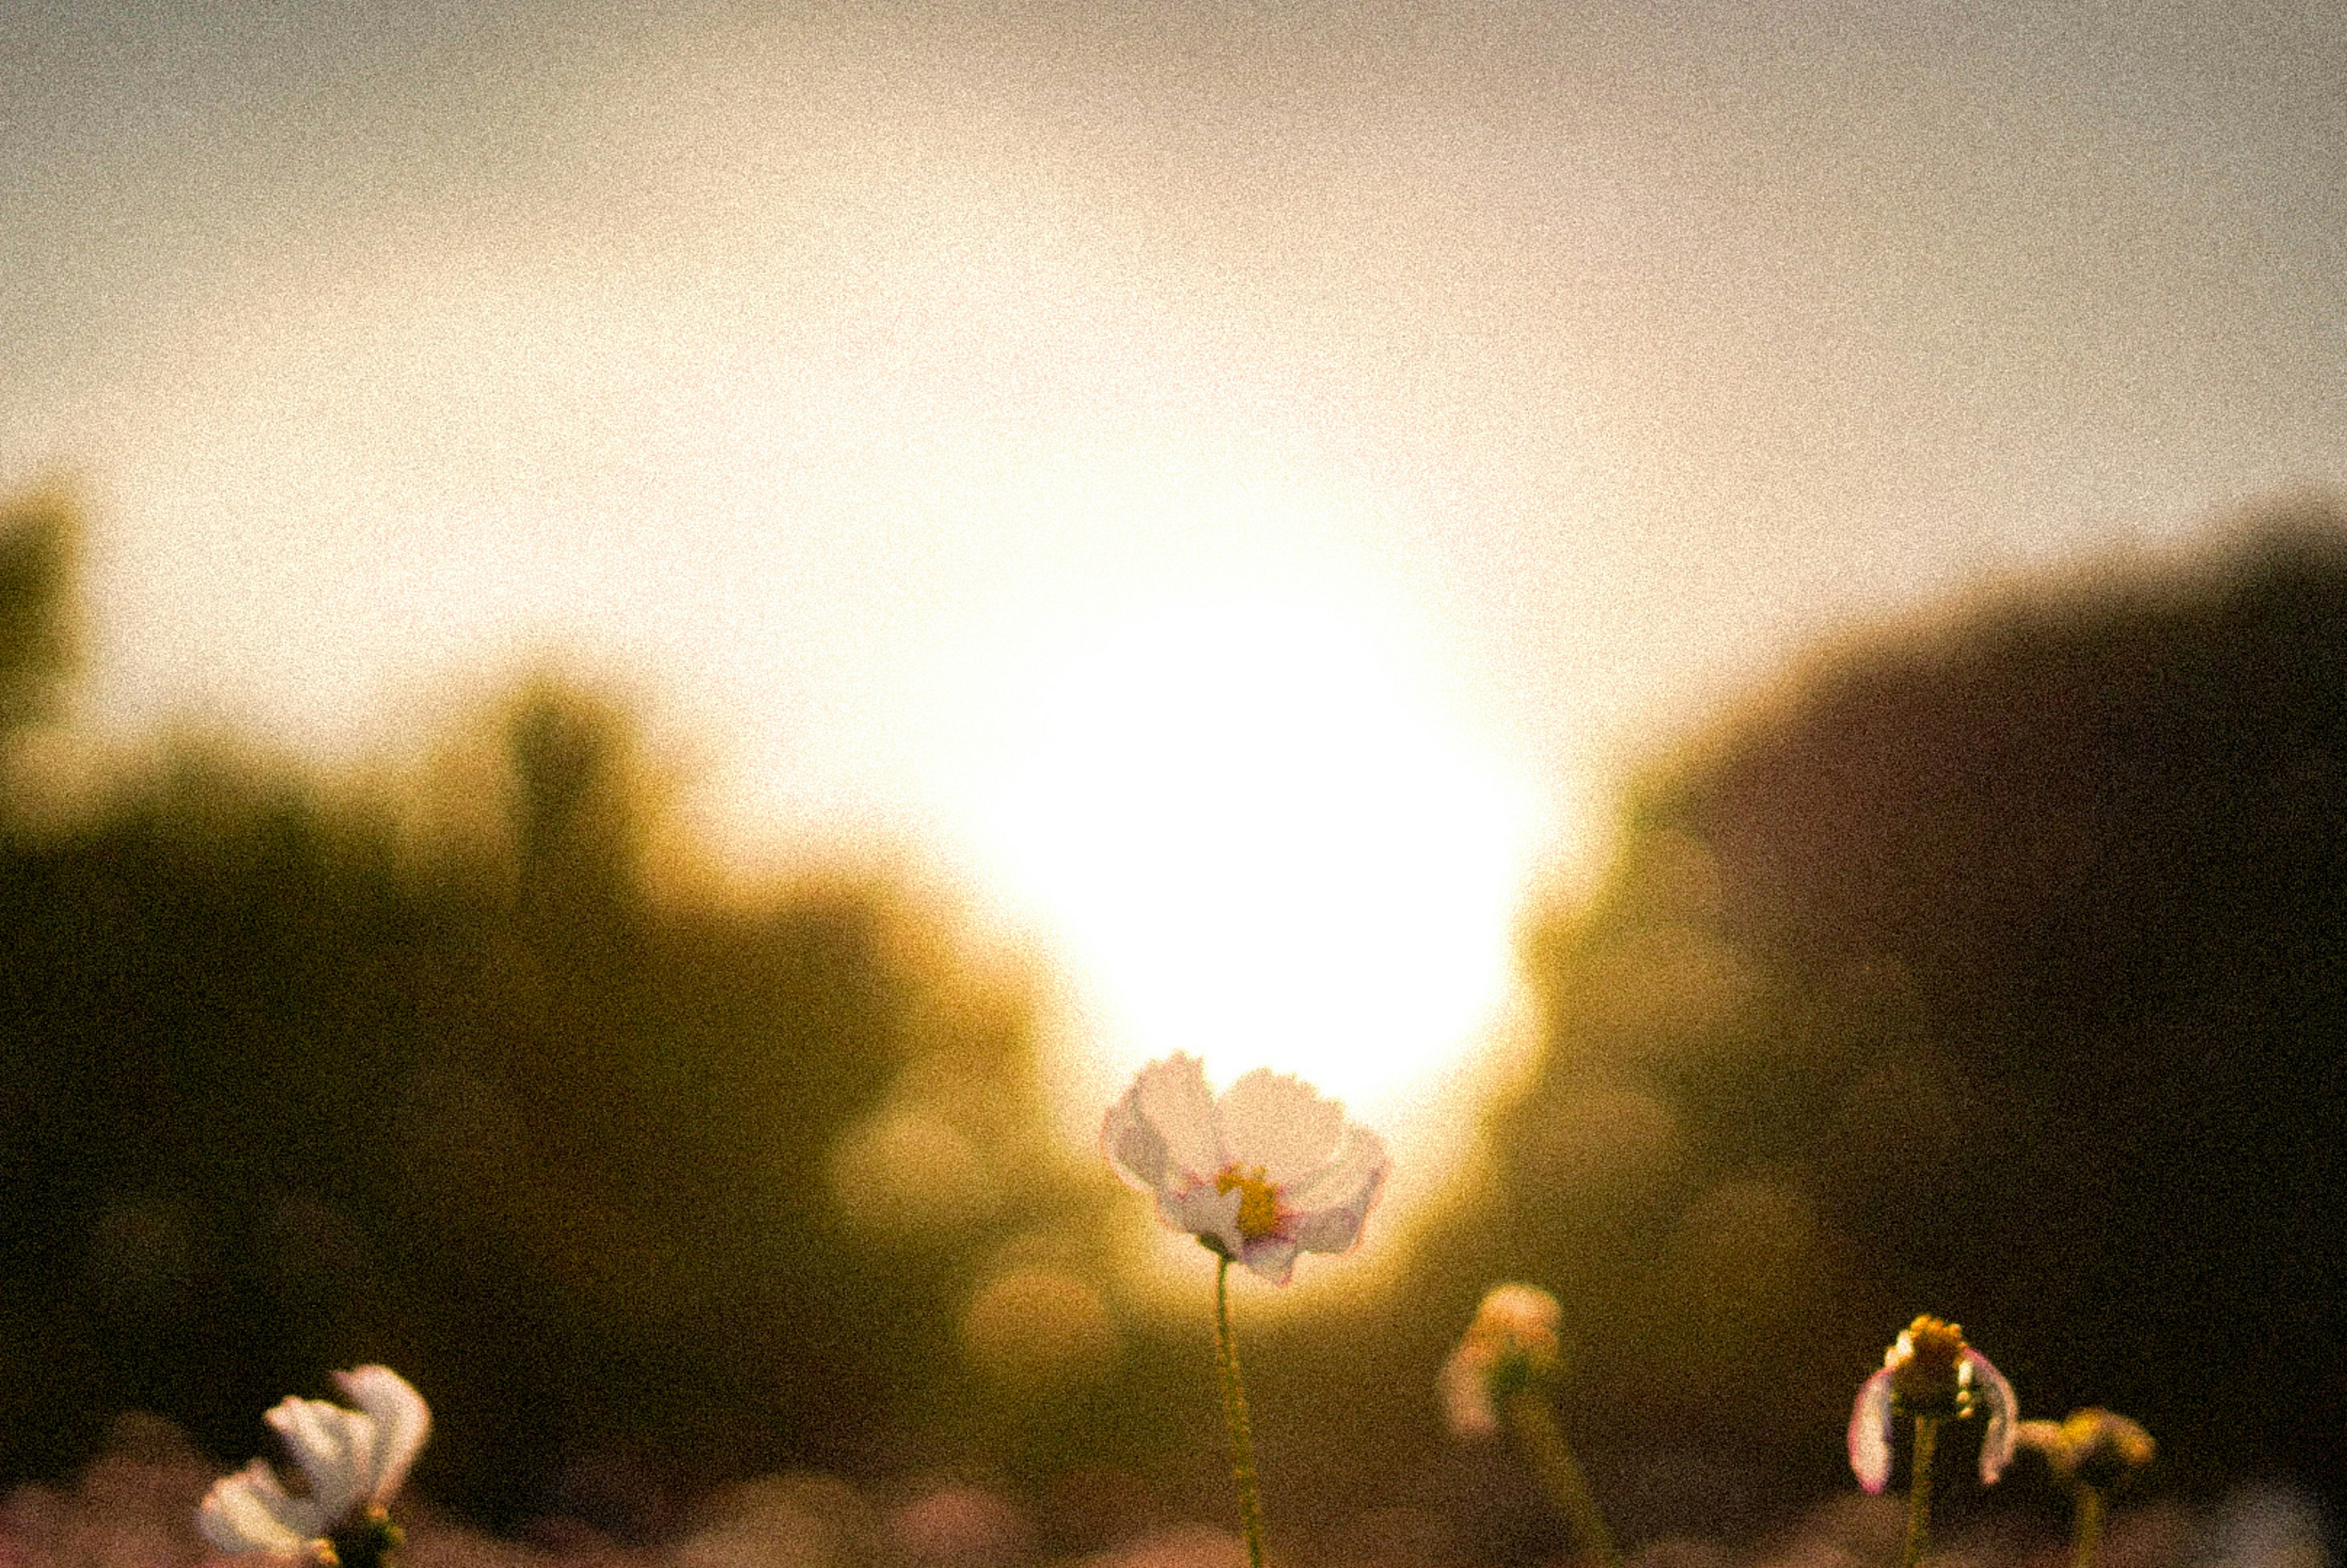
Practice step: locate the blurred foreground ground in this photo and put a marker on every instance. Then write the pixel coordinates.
(134, 1508)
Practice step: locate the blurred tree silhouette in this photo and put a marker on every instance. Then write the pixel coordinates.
(37, 542)
(291, 1077)
(575, 804)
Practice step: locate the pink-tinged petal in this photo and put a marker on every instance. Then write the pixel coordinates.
(1135, 1150)
(1274, 1258)
(2004, 1414)
(1331, 1207)
(247, 1513)
(1467, 1389)
(1869, 1432)
(1279, 1123)
(1328, 1230)
(1521, 1318)
(402, 1422)
(2047, 1438)
(1171, 1097)
(1209, 1216)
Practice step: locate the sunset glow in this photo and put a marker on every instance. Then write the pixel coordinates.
(707, 712)
(1260, 846)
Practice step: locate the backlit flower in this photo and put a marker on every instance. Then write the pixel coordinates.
(2093, 1447)
(1510, 1345)
(351, 1461)
(1930, 1372)
(1269, 1169)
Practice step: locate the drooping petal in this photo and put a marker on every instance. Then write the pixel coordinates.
(1523, 1318)
(249, 1511)
(1274, 1258)
(1467, 1389)
(2003, 1415)
(334, 1447)
(1871, 1433)
(2048, 1439)
(1135, 1150)
(401, 1419)
(2100, 1447)
(1211, 1216)
(1330, 1206)
(1171, 1096)
(1279, 1123)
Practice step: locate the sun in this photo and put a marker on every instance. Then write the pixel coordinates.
(1257, 843)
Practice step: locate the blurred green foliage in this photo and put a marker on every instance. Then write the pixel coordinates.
(37, 542)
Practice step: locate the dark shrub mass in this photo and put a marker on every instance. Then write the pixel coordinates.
(1994, 967)
(293, 1078)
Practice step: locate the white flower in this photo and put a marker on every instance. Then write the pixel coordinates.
(1512, 1343)
(1931, 1371)
(353, 1461)
(1269, 1169)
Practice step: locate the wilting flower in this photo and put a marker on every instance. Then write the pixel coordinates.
(353, 1461)
(2095, 1452)
(1269, 1169)
(1510, 1345)
(2093, 1447)
(1932, 1373)
(1508, 1361)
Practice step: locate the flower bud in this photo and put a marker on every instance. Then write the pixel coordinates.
(2093, 1447)
(1510, 1345)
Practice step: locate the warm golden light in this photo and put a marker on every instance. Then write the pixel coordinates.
(1258, 845)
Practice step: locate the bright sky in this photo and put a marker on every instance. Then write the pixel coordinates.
(868, 384)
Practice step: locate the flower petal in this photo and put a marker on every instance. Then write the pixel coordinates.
(1135, 1150)
(1521, 1318)
(1280, 1122)
(334, 1447)
(401, 1419)
(1274, 1258)
(1211, 1216)
(1171, 1097)
(1467, 1389)
(249, 1511)
(1869, 1432)
(2047, 1438)
(1331, 1205)
(2003, 1412)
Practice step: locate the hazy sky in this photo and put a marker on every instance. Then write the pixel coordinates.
(845, 376)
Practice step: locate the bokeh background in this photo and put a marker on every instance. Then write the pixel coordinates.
(640, 651)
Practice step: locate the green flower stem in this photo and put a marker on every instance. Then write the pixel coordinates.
(1919, 1492)
(1234, 1416)
(1552, 1460)
(2086, 1526)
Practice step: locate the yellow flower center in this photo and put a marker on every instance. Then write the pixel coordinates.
(1258, 1204)
(1928, 1372)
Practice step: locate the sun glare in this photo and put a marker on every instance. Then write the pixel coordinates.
(1258, 847)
